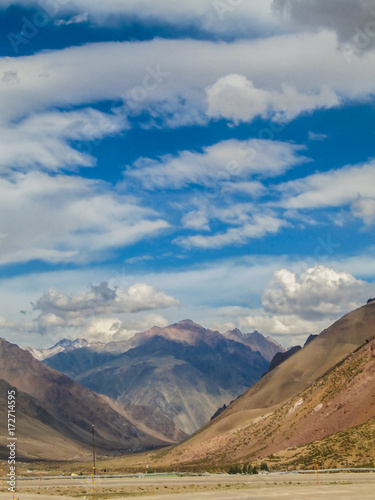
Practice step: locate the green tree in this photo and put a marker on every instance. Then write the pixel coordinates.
(238, 469)
(264, 466)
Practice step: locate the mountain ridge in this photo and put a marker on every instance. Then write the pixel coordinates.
(249, 416)
(184, 370)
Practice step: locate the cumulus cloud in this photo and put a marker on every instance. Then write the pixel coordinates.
(320, 291)
(68, 219)
(100, 299)
(297, 305)
(113, 329)
(217, 164)
(349, 186)
(92, 311)
(235, 98)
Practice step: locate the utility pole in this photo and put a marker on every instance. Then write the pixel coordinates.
(93, 461)
(93, 447)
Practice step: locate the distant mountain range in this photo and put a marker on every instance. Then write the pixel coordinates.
(171, 379)
(61, 346)
(54, 414)
(323, 393)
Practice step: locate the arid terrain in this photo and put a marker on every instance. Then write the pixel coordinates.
(323, 389)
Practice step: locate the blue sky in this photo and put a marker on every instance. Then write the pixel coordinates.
(211, 160)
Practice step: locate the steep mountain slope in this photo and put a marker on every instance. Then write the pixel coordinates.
(36, 430)
(280, 357)
(290, 406)
(66, 408)
(184, 372)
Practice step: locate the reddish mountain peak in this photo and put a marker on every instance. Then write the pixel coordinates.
(184, 331)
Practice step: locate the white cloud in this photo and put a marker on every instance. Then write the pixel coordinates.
(256, 226)
(365, 209)
(197, 219)
(216, 292)
(335, 188)
(113, 329)
(217, 164)
(286, 326)
(167, 80)
(313, 136)
(101, 299)
(239, 223)
(42, 140)
(68, 219)
(60, 309)
(235, 98)
(252, 188)
(300, 305)
(78, 19)
(199, 288)
(320, 291)
(217, 16)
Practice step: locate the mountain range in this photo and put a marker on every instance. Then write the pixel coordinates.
(324, 389)
(172, 379)
(313, 403)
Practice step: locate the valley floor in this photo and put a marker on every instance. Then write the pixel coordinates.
(348, 486)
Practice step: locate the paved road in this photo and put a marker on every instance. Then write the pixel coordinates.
(341, 486)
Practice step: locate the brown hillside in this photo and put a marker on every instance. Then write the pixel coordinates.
(283, 409)
(67, 409)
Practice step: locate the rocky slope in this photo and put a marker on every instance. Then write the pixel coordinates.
(322, 389)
